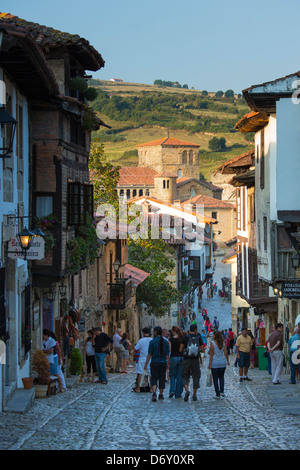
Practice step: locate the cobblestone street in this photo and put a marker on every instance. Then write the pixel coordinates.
(112, 417)
(93, 416)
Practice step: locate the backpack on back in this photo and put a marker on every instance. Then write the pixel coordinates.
(193, 346)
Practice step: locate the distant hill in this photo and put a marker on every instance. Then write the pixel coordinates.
(140, 113)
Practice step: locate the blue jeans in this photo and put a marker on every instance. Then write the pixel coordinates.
(175, 376)
(293, 369)
(269, 364)
(100, 363)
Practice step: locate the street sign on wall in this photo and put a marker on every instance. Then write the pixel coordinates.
(291, 290)
(35, 252)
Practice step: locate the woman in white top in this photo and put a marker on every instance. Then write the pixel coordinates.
(90, 357)
(142, 346)
(218, 359)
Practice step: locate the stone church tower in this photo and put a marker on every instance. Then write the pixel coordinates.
(175, 156)
(165, 187)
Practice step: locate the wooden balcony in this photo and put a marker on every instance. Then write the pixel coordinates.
(283, 269)
(119, 294)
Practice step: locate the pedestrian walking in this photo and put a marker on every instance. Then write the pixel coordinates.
(158, 353)
(209, 293)
(275, 346)
(62, 381)
(222, 297)
(253, 350)
(118, 349)
(243, 348)
(191, 346)
(218, 359)
(231, 344)
(142, 346)
(294, 358)
(204, 340)
(101, 343)
(90, 357)
(216, 323)
(125, 354)
(49, 347)
(176, 360)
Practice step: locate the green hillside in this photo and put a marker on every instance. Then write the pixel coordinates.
(141, 113)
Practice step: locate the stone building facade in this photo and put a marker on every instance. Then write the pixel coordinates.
(175, 156)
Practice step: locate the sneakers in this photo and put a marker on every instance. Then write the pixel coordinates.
(186, 396)
(160, 397)
(241, 379)
(222, 395)
(195, 398)
(154, 397)
(247, 378)
(171, 395)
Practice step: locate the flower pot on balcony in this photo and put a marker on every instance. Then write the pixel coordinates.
(27, 382)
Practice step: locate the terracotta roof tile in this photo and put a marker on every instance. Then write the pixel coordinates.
(137, 275)
(209, 202)
(166, 174)
(49, 37)
(136, 176)
(242, 160)
(169, 142)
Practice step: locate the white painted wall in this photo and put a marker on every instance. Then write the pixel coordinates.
(288, 154)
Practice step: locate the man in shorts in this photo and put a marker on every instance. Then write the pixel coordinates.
(243, 348)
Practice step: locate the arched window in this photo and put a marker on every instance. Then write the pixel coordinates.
(190, 157)
(140, 192)
(184, 157)
(121, 194)
(134, 193)
(168, 184)
(164, 184)
(128, 193)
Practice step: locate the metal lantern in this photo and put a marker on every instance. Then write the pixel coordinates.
(295, 260)
(8, 129)
(116, 265)
(51, 294)
(25, 238)
(62, 289)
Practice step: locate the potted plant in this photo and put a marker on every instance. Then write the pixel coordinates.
(27, 382)
(76, 362)
(40, 366)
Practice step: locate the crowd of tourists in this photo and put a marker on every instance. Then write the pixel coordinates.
(176, 356)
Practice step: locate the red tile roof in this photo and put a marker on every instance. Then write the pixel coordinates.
(169, 142)
(137, 275)
(136, 176)
(210, 202)
(47, 37)
(166, 174)
(245, 160)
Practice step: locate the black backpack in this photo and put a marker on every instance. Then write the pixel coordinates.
(192, 349)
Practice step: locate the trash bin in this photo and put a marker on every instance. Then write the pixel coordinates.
(262, 361)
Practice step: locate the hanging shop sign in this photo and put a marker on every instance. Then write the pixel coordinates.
(35, 252)
(291, 290)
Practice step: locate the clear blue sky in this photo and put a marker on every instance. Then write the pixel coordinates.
(207, 44)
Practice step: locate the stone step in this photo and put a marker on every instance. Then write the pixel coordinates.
(20, 401)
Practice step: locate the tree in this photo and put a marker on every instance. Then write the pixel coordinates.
(219, 94)
(229, 94)
(216, 145)
(104, 176)
(204, 93)
(157, 292)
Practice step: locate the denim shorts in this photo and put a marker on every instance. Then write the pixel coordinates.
(244, 360)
